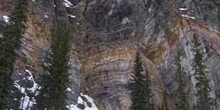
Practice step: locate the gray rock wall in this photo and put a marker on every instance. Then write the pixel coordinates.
(107, 33)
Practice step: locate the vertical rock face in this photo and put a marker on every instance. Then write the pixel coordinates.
(106, 72)
(6, 6)
(106, 34)
(206, 10)
(34, 46)
(209, 39)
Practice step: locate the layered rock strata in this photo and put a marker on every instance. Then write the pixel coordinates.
(106, 34)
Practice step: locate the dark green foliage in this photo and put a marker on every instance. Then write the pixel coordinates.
(55, 81)
(203, 89)
(8, 46)
(164, 106)
(180, 94)
(140, 85)
(43, 98)
(16, 103)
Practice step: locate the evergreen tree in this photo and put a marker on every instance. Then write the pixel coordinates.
(141, 95)
(55, 81)
(8, 46)
(203, 89)
(180, 95)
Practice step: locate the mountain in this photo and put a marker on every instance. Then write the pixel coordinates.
(106, 34)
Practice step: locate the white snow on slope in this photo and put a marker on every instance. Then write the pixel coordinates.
(90, 106)
(27, 102)
(188, 17)
(94, 107)
(6, 18)
(182, 9)
(125, 21)
(46, 16)
(35, 86)
(80, 100)
(67, 3)
(72, 16)
(72, 107)
(68, 89)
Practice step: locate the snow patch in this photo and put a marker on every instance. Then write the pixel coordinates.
(188, 17)
(17, 85)
(26, 102)
(67, 3)
(125, 21)
(46, 16)
(182, 9)
(85, 101)
(72, 16)
(68, 89)
(6, 18)
(80, 101)
(72, 107)
(47, 64)
(35, 85)
(22, 90)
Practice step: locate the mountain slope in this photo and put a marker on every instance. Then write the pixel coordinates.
(106, 34)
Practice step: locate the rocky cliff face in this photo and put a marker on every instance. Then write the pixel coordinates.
(106, 35)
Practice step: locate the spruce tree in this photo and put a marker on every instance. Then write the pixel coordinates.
(141, 95)
(9, 44)
(55, 81)
(180, 94)
(164, 106)
(202, 85)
